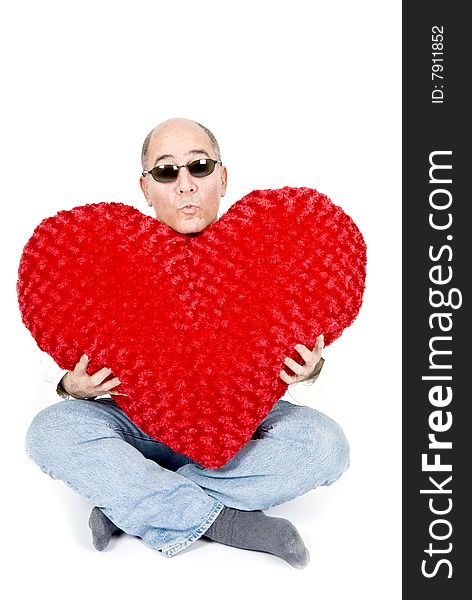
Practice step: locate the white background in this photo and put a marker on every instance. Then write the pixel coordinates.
(297, 93)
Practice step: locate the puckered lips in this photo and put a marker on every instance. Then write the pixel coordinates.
(189, 208)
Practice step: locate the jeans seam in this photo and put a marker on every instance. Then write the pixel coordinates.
(134, 435)
(175, 547)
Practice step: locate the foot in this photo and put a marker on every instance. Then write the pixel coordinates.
(254, 530)
(102, 529)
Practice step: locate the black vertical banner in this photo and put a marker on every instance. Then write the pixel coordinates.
(437, 332)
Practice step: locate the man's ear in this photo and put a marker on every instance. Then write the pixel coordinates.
(224, 180)
(143, 185)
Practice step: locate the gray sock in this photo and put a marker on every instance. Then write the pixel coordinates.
(102, 529)
(253, 530)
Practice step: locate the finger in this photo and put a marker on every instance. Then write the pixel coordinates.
(296, 367)
(318, 349)
(319, 343)
(306, 354)
(97, 378)
(81, 367)
(285, 377)
(109, 385)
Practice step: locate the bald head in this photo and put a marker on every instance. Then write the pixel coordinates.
(189, 202)
(167, 128)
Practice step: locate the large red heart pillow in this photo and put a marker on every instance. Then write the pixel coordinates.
(195, 326)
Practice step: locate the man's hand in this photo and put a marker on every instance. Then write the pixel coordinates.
(311, 358)
(80, 385)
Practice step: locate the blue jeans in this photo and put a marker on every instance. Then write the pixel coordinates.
(167, 499)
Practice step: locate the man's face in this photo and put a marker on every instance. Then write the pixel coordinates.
(188, 204)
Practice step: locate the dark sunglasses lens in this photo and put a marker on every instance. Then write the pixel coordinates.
(165, 173)
(202, 167)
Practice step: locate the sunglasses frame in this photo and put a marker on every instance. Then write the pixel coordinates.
(176, 169)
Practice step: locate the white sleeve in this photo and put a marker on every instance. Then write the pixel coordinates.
(51, 373)
(306, 393)
(45, 376)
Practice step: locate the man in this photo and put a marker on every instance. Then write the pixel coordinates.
(139, 485)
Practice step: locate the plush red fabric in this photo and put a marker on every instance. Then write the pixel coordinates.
(196, 327)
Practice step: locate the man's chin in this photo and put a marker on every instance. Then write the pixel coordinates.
(190, 226)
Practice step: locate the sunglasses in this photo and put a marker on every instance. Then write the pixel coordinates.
(202, 167)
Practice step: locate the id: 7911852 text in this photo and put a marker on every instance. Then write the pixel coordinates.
(437, 67)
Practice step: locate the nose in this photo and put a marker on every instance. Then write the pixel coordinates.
(185, 182)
